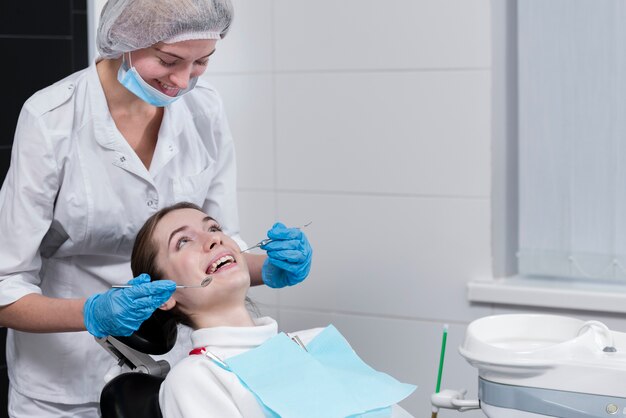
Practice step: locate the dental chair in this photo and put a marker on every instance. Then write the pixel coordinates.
(135, 394)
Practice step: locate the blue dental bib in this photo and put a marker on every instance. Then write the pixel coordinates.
(326, 380)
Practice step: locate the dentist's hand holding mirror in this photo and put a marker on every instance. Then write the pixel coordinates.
(120, 312)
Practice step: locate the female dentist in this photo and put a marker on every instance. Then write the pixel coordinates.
(94, 156)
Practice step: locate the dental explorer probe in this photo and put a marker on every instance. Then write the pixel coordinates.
(268, 240)
(207, 280)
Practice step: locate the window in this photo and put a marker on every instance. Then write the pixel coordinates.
(560, 108)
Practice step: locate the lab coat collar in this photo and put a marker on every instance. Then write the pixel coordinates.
(101, 115)
(109, 137)
(166, 147)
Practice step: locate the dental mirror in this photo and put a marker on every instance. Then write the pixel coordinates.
(207, 280)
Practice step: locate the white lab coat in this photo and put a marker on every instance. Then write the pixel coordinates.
(198, 388)
(71, 204)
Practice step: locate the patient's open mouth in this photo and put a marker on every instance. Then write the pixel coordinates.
(220, 263)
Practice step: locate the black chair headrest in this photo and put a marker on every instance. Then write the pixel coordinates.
(157, 335)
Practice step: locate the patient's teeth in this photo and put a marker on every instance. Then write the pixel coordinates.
(223, 259)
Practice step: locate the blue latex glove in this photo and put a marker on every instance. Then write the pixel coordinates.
(288, 257)
(120, 312)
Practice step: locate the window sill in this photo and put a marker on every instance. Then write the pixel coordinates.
(549, 293)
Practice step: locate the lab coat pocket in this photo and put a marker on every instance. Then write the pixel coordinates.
(194, 188)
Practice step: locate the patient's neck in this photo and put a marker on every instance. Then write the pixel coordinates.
(227, 317)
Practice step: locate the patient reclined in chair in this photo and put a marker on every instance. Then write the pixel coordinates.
(241, 366)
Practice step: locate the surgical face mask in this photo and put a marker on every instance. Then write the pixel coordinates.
(130, 78)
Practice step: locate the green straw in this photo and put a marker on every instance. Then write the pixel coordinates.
(441, 356)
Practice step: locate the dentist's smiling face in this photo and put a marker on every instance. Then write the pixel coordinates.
(169, 67)
(190, 246)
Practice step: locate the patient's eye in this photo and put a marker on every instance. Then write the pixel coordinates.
(181, 242)
(213, 226)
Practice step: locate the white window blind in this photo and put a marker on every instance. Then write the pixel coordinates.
(572, 138)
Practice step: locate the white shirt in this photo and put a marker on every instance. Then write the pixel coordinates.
(73, 199)
(198, 388)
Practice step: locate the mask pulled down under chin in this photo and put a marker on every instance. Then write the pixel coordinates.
(130, 78)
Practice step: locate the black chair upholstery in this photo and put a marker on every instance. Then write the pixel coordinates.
(131, 395)
(136, 394)
(157, 334)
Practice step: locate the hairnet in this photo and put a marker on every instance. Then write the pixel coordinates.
(128, 25)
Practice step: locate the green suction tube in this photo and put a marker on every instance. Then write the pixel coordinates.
(441, 357)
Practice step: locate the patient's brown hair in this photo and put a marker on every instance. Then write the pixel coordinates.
(143, 257)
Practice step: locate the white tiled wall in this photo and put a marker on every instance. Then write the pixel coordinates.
(372, 119)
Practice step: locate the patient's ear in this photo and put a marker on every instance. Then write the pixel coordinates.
(171, 302)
